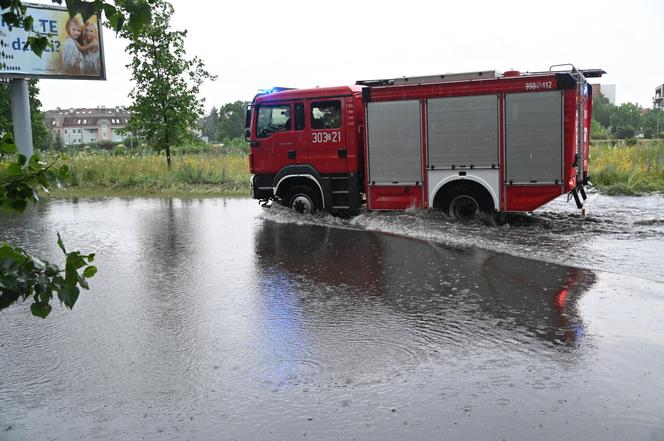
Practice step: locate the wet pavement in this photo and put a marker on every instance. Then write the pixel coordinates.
(216, 319)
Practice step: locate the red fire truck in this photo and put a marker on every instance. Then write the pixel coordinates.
(462, 143)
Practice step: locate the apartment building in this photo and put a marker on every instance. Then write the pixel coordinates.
(87, 125)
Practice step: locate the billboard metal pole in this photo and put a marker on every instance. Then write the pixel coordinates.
(21, 115)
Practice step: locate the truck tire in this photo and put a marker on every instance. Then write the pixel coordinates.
(466, 202)
(303, 199)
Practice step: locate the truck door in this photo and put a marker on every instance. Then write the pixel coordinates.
(327, 140)
(276, 139)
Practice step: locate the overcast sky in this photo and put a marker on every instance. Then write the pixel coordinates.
(257, 44)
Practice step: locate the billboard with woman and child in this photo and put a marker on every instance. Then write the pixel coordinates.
(75, 47)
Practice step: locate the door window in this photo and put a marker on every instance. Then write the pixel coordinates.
(326, 115)
(273, 119)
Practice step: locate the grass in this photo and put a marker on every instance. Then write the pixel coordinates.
(631, 170)
(614, 169)
(103, 174)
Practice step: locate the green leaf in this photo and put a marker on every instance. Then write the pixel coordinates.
(139, 17)
(110, 10)
(38, 44)
(87, 10)
(116, 21)
(10, 17)
(7, 148)
(7, 252)
(27, 23)
(41, 309)
(72, 7)
(90, 271)
(70, 294)
(14, 169)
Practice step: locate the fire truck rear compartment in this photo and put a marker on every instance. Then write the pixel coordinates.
(461, 142)
(534, 138)
(394, 146)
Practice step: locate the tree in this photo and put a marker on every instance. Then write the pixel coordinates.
(653, 123)
(603, 110)
(165, 106)
(628, 115)
(622, 121)
(41, 137)
(210, 125)
(231, 120)
(624, 132)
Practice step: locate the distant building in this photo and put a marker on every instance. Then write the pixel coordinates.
(87, 126)
(607, 90)
(658, 101)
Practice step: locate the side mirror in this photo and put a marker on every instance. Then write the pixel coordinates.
(247, 124)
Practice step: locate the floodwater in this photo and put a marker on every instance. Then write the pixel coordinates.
(218, 319)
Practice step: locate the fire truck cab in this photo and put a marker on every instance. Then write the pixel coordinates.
(463, 143)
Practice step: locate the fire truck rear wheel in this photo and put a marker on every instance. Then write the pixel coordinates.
(303, 199)
(466, 203)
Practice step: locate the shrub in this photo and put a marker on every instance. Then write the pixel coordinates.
(119, 150)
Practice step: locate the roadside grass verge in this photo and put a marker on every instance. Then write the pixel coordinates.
(103, 174)
(628, 170)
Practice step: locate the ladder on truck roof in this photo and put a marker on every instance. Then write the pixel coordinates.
(430, 79)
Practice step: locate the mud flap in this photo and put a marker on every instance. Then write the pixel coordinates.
(575, 195)
(583, 192)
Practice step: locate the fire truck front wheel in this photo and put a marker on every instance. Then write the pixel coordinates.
(465, 202)
(303, 199)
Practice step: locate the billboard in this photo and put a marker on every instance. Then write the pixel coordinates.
(75, 47)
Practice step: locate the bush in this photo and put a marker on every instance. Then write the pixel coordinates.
(597, 131)
(131, 142)
(624, 132)
(119, 150)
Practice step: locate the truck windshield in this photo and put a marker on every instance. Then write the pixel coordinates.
(272, 119)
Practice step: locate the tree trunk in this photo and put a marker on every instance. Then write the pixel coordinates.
(168, 156)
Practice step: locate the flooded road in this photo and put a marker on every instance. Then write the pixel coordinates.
(216, 319)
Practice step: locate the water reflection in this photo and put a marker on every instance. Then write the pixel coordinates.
(375, 300)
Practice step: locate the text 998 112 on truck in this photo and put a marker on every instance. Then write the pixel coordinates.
(466, 144)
